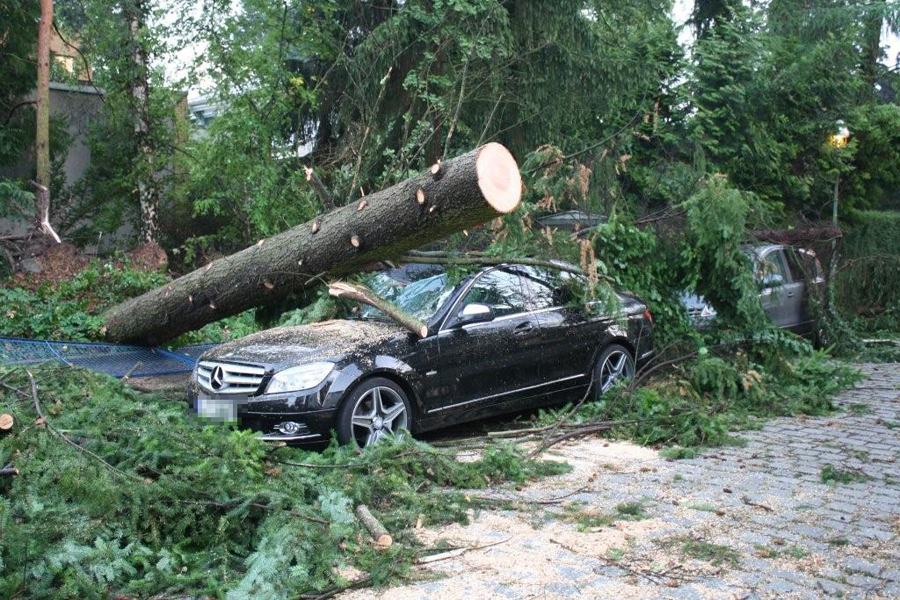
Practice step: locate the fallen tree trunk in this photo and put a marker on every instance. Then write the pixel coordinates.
(792, 237)
(464, 192)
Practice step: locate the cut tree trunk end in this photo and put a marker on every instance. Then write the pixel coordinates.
(473, 189)
(363, 295)
(381, 536)
(6, 422)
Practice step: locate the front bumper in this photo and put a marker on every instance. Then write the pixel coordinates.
(264, 413)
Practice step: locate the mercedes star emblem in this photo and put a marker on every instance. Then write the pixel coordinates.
(217, 378)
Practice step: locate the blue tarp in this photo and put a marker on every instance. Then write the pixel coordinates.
(113, 359)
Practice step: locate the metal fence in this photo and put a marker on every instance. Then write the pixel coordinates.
(113, 359)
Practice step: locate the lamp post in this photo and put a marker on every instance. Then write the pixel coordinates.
(837, 140)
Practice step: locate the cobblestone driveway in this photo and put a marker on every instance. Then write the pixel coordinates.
(740, 522)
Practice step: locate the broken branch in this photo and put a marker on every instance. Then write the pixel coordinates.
(381, 536)
(43, 206)
(326, 198)
(364, 295)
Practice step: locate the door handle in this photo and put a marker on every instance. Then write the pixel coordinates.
(524, 329)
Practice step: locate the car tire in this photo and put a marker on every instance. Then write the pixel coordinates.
(375, 409)
(614, 364)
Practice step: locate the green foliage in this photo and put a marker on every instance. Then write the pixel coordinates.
(717, 218)
(867, 290)
(70, 310)
(709, 397)
(201, 509)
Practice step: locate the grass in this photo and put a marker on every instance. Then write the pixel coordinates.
(839, 542)
(587, 519)
(679, 452)
(860, 409)
(703, 506)
(615, 554)
(833, 475)
(795, 552)
(715, 554)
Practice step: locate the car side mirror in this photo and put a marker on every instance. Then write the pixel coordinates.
(474, 313)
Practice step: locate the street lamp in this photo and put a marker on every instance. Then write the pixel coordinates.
(840, 138)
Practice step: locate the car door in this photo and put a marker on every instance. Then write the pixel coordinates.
(806, 270)
(780, 296)
(568, 338)
(485, 364)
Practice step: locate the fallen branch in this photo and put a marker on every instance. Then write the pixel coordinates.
(381, 536)
(130, 371)
(332, 592)
(456, 552)
(364, 295)
(464, 259)
(9, 472)
(326, 198)
(43, 420)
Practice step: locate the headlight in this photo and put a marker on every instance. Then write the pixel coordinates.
(299, 378)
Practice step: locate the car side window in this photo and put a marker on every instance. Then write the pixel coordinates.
(771, 269)
(503, 291)
(547, 288)
(804, 265)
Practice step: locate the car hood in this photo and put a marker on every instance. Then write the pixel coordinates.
(286, 346)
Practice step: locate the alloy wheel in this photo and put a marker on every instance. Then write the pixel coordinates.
(617, 366)
(378, 413)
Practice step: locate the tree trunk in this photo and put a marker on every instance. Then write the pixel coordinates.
(467, 191)
(42, 132)
(139, 86)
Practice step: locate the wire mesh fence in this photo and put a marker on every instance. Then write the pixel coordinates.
(113, 359)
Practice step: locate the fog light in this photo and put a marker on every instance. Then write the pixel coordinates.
(288, 428)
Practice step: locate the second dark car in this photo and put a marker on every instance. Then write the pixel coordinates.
(507, 338)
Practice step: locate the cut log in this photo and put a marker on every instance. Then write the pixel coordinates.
(9, 472)
(381, 536)
(473, 189)
(6, 422)
(363, 295)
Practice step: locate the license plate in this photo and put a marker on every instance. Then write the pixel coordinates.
(217, 409)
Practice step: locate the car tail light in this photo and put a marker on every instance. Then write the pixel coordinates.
(648, 315)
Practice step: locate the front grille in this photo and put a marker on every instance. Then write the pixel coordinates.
(229, 378)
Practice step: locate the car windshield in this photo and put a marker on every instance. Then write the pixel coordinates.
(420, 299)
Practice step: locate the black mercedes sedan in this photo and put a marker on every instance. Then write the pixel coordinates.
(507, 338)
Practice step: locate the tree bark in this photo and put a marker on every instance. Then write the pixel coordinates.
(381, 536)
(473, 188)
(139, 86)
(42, 132)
